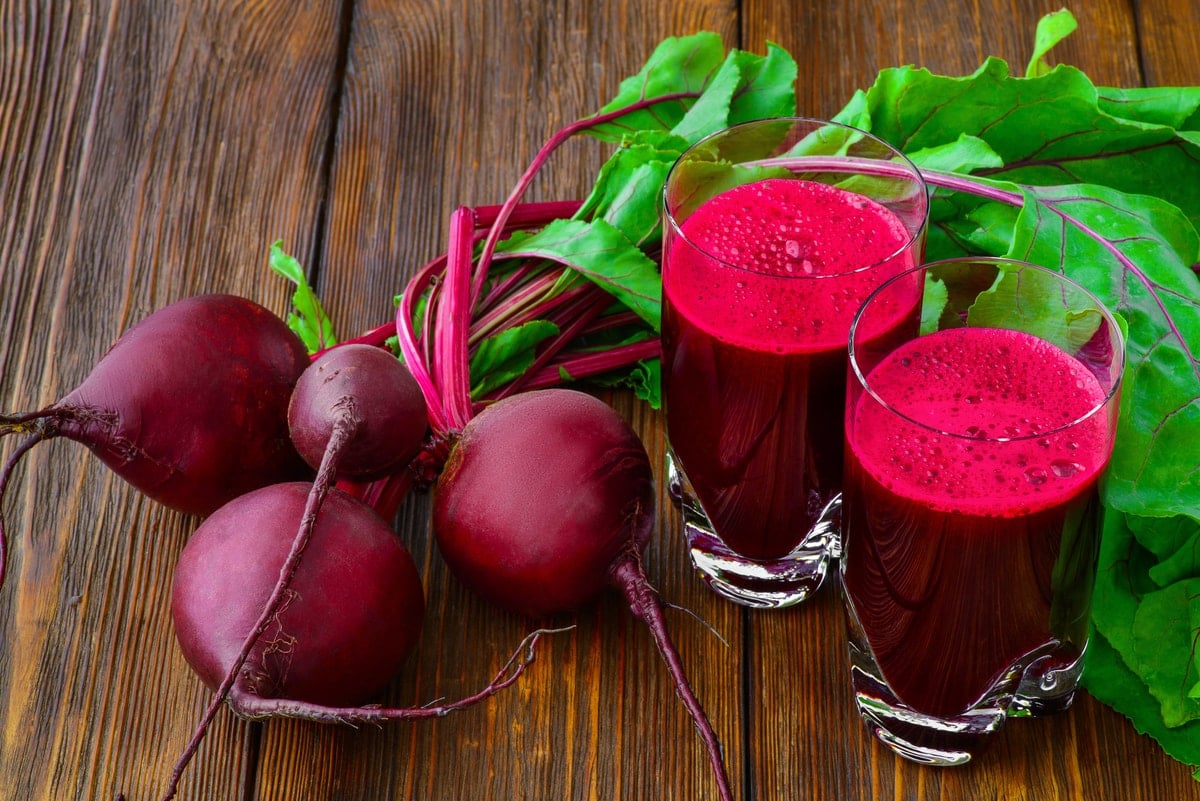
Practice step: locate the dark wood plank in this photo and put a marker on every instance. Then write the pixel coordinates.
(148, 151)
(1167, 38)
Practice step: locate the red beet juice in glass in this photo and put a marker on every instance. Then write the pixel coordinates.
(966, 552)
(760, 285)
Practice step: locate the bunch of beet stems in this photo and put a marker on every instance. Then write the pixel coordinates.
(461, 309)
(439, 362)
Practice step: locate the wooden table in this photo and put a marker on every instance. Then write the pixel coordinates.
(152, 150)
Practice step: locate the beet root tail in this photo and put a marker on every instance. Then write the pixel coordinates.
(322, 483)
(629, 575)
(6, 476)
(256, 707)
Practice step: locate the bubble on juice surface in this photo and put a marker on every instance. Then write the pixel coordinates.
(1064, 468)
(1035, 475)
(770, 237)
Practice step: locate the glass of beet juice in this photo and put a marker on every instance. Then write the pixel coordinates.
(775, 231)
(970, 511)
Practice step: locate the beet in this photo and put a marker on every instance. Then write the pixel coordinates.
(377, 396)
(539, 497)
(350, 616)
(546, 499)
(189, 405)
(316, 638)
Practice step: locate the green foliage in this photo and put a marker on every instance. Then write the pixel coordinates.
(308, 318)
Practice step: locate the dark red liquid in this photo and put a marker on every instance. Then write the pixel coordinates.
(754, 355)
(964, 553)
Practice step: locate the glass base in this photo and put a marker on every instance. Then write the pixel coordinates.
(1043, 683)
(758, 583)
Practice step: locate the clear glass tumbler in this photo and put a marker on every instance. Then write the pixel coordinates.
(774, 233)
(973, 452)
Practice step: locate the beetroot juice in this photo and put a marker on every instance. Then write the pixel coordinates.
(970, 504)
(760, 284)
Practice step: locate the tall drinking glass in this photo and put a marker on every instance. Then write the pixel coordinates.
(774, 233)
(973, 452)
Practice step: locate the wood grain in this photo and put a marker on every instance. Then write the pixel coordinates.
(132, 175)
(152, 149)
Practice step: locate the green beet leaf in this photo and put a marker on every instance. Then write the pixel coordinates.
(1149, 629)
(599, 251)
(1135, 253)
(1111, 682)
(1165, 623)
(746, 87)
(1124, 139)
(308, 318)
(506, 355)
(629, 185)
(678, 64)
(1051, 29)
(644, 380)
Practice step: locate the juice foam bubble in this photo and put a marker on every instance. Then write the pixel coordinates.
(734, 272)
(984, 421)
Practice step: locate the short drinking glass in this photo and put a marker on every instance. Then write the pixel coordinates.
(973, 452)
(774, 233)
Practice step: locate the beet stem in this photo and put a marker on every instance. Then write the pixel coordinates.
(26, 422)
(345, 426)
(377, 336)
(562, 135)
(5, 476)
(529, 214)
(515, 309)
(630, 577)
(410, 346)
(595, 306)
(589, 364)
(450, 365)
(255, 706)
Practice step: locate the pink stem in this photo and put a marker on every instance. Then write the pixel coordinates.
(410, 347)
(450, 361)
(614, 320)
(376, 336)
(509, 205)
(525, 215)
(503, 315)
(580, 321)
(384, 495)
(590, 364)
(552, 308)
(501, 290)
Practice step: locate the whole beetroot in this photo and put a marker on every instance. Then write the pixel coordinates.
(351, 614)
(189, 405)
(546, 499)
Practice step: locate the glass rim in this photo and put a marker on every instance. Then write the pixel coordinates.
(1106, 313)
(907, 169)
